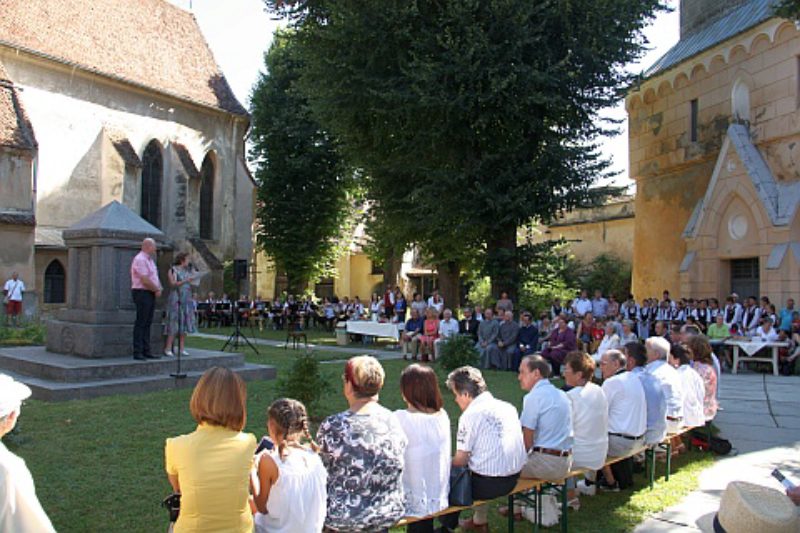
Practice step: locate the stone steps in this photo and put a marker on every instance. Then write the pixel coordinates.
(58, 377)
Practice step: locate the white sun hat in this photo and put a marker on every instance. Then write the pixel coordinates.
(750, 508)
(12, 392)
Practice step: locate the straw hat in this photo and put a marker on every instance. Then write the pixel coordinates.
(750, 508)
(12, 393)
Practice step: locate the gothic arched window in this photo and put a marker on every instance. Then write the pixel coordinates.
(207, 198)
(54, 283)
(152, 176)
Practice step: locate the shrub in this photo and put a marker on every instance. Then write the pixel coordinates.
(304, 382)
(457, 351)
(28, 335)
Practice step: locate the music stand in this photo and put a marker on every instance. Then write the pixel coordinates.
(234, 340)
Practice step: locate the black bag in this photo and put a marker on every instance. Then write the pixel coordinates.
(173, 505)
(460, 486)
(720, 446)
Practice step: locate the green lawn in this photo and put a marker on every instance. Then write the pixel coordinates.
(98, 464)
(315, 335)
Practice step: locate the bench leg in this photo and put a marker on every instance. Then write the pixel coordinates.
(650, 466)
(538, 522)
(511, 513)
(669, 460)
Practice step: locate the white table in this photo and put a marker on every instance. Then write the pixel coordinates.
(375, 329)
(751, 347)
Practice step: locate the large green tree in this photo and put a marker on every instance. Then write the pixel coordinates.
(471, 117)
(303, 184)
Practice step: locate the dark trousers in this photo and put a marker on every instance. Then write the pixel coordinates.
(483, 488)
(145, 302)
(423, 526)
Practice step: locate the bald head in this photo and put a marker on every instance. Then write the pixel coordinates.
(149, 246)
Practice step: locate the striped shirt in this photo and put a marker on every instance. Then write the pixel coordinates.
(490, 432)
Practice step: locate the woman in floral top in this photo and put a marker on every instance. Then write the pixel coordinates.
(362, 449)
(704, 365)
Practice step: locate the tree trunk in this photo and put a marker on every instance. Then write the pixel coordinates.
(296, 285)
(391, 269)
(502, 263)
(449, 284)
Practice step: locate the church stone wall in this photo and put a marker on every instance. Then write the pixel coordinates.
(72, 111)
(672, 171)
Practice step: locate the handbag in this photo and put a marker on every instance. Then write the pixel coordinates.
(460, 486)
(173, 504)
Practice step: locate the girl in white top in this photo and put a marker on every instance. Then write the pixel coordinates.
(694, 390)
(589, 412)
(289, 482)
(426, 476)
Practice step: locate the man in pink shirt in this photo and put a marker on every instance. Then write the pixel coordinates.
(145, 288)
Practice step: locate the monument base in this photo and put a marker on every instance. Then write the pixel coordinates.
(57, 377)
(97, 341)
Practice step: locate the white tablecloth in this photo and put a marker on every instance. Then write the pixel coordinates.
(751, 347)
(375, 329)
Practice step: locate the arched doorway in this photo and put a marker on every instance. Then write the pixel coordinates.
(55, 283)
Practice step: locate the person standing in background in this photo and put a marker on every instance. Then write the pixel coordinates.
(12, 292)
(145, 288)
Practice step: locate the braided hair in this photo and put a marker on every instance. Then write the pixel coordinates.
(291, 420)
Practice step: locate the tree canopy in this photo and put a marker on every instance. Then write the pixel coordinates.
(303, 184)
(470, 117)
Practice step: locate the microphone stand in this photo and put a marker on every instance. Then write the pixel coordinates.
(178, 374)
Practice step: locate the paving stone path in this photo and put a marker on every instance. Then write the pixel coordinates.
(761, 418)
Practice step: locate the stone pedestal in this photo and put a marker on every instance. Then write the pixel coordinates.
(99, 316)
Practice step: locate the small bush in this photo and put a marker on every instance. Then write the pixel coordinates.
(457, 351)
(304, 382)
(28, 335)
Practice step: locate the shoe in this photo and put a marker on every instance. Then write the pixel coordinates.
(185, 353)
(151, 356)
(586, 487)
(574, 504)
(609, 487)
(503, 510)
(169, 353)
(140, 358)
(469, 525)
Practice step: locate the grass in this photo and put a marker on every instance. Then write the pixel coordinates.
(99, 465)
(27, 334)
(315, 335)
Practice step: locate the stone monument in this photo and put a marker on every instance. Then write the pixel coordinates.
(98, 320)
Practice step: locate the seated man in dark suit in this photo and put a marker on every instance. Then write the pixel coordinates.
(468, 325)
(528, 336)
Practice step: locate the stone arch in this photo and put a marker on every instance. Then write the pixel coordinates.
(715, 223)
(698, 72)
(760, 44)
(55, 283)
(208, 180)
(717, 64)
(785, 32)
(738, 54)
(650, 96)
(152, 183)
(681, 81)
(634, 102)
(664, 89)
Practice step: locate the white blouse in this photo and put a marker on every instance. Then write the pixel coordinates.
(590, 426)
(297, 501)
(426, 476)
(694, 392)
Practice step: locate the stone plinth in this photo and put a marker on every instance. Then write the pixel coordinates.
(98, 319)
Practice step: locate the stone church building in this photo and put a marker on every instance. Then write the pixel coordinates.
(107, 100)
(714, 130)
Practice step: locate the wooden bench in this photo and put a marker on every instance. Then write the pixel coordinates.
(530, 491)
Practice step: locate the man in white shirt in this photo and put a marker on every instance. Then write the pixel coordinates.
(627, 409)
(488, 440)
(582, 304)
(658, 349)
(751, 317)
(12, 292)
(546, 422)
(765, 332)
(447, 328)
(20, 509)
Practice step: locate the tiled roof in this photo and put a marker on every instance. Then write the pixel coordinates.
(733, 23)
(149, 43)
(15, 128)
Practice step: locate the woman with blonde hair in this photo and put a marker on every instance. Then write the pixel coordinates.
(288, 487)
(210, 467)
(362, 449)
